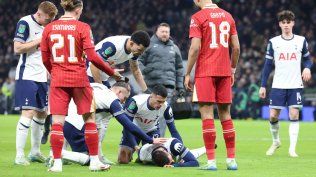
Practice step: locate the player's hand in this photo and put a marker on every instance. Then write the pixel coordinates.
(168, 166)
(262, 92)
(187, 83)
(117, 76)
(306, 74)
(159, 140)
(233, 79)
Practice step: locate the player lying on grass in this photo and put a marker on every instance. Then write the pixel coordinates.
(145, 110)
(169, 154)
(106, 100)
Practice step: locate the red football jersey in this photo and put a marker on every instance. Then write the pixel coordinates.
(214, 26)
(66, 39)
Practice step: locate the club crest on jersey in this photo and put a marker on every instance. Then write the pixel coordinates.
(132, 105)
(287, 56)
(108, 51)
(21, 28)
(178, 147)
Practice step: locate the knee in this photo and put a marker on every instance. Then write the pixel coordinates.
(28, 113)
(294, 114)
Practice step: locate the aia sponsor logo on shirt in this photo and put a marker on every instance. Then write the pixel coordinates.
(287, 56)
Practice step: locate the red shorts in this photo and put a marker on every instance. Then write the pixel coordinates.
(59, 98)
(213, 89)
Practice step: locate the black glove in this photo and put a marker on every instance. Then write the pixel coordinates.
(181, 92)
(124, 79)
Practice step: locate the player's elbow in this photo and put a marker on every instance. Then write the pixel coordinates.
(236, 49)
(17, 49)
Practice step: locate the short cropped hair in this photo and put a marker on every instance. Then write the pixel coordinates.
(163, 24)
(141, 38)
(48, 8)
(160, 90)
(286, 15)
(160, 158)
(122, 84)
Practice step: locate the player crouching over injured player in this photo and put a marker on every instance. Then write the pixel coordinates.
(145, 110)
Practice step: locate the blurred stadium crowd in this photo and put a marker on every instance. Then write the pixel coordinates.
(256, 23)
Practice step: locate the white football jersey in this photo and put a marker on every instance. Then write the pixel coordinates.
(145, 118)
(30, 66)
(147, 149)
(287, 56)
(103, 97)
(112, 49)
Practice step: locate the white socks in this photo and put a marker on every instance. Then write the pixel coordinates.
(22, 129)
(293, 132)
(37, 133)
(77, 157)
(198, 152)
(274, 128)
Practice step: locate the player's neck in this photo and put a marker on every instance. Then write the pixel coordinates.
(69, 15)
(208, 5)
(287, 36)
(36, 18)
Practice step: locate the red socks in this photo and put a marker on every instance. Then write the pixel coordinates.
(57, 140)
(91, 138)
(209, 136)
(229, 136)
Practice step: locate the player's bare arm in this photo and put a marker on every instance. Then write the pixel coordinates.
(138, 74)
(20, 47)
(192, 57)
(96, 73)
(235, 55)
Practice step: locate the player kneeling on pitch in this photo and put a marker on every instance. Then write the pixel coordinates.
(145, 110)
(170, 154)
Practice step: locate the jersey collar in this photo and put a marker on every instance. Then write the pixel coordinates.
(66, 18)
(125, 48)
(208, 6)
(287, 39)
(33, 18)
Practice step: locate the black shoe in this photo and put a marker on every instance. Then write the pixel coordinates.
(44, 138)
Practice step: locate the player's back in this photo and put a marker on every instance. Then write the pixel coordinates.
(67, 38)
(214, 26)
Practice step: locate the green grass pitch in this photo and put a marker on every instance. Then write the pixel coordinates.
(253, 139)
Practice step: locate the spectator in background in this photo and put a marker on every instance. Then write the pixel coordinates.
(8, 90)
(162, 64)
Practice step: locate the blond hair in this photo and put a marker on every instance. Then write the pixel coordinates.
(70, 5)
(48, 8)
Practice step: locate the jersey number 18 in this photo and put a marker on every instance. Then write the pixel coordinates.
(224, 29)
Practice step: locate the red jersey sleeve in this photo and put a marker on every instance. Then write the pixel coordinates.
(233, 30)
(87, 38)
(195, 28)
